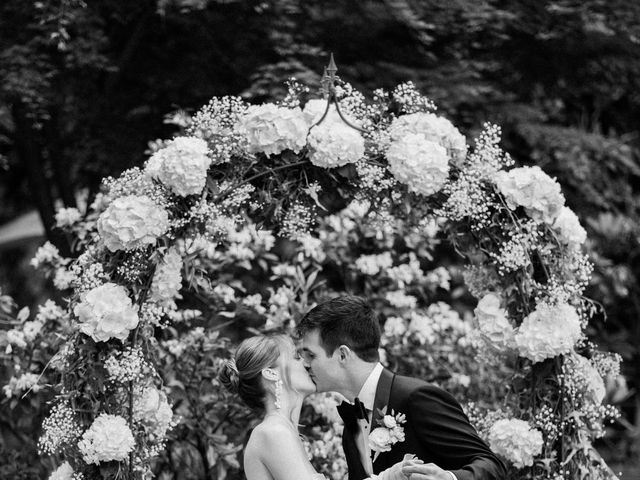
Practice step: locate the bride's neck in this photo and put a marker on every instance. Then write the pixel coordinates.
(290, 407)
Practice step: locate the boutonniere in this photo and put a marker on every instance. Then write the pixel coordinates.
(388, 433)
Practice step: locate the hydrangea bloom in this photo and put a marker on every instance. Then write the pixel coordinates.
(516, 441)
(334, 144)
(131, 222)
(568, 227)
(109, 438)
(153, 409)
(493, 322)
(271, 129)
(63, 472)
(106, 312)
(433, 128)
(182, 165)
(548, 331)
(531, 188)
(420, 164)
(167, 280)
(374, 264)
(65, 217)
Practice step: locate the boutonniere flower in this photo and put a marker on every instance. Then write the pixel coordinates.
(388, 433)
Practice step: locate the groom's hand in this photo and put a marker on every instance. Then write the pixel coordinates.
(427, 471)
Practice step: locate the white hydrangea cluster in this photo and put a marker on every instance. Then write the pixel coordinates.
(17, 386)
(582, 376)
(63, 472)
(493, 322)
(66, 217)
(399, 299)
(533, 189)
(182, 165)
(374, 264)
(516, 441)
(167, 280)
(419, 163)
(433, 128)
(106, 312)
(568, 227)
(47, 255)
(394, 327)
(334, 144)
(109, 438)
(270, 129)
(152, 409)
(132, 221)
(548, 331)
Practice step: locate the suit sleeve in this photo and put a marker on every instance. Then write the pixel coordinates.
(442, 427)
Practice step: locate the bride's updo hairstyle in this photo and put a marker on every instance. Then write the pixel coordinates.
(243, 373)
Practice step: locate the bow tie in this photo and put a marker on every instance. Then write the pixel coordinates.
(350, 413)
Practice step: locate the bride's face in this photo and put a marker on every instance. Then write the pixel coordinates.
(293, 369)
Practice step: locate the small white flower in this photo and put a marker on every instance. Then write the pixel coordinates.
(374, 264)
(66, 217)
(109, 438)
(516, 441)
(420, 164)
(389, 421)
(395, 326)
(422, 327)
(167, 280)
(63, 278)
(225, 292)
(399, 299)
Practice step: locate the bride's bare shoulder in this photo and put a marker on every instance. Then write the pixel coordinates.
(270, 434)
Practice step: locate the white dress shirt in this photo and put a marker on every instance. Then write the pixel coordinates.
(367, 396)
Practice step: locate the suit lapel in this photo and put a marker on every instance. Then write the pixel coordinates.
(383, 394)
(356, 469)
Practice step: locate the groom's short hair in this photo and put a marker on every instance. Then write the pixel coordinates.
(345, 320)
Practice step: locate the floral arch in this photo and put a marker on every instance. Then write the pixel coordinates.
(256, 212)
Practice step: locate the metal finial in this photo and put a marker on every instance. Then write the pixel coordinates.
(332, 69)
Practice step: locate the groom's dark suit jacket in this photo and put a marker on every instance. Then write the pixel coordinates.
(437, 431)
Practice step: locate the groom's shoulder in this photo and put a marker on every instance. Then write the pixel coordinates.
(416, 388)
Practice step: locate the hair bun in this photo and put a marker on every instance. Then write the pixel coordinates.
(229, 376)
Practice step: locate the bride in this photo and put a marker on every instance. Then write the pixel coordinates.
(270, 377)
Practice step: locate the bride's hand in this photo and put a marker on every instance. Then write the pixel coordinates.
(395, 471)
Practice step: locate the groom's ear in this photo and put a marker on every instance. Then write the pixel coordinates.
(344, 353)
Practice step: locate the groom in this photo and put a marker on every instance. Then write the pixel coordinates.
(340, 341)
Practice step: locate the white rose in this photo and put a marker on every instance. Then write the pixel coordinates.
(493, 322)
(63, 472)
(380, 440)
(131, 222)
(568, 227)
(335, 144)
(109, 438)
(534, 190)
(548, 331)
(433, 128)
(420, 164)
(516, 441)
(106, 312)
(182, 165)
(389, 421)
(271, 129)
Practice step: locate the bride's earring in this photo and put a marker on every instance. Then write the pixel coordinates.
(278, 393)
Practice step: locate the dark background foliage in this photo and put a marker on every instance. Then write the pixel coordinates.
(85, 85)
